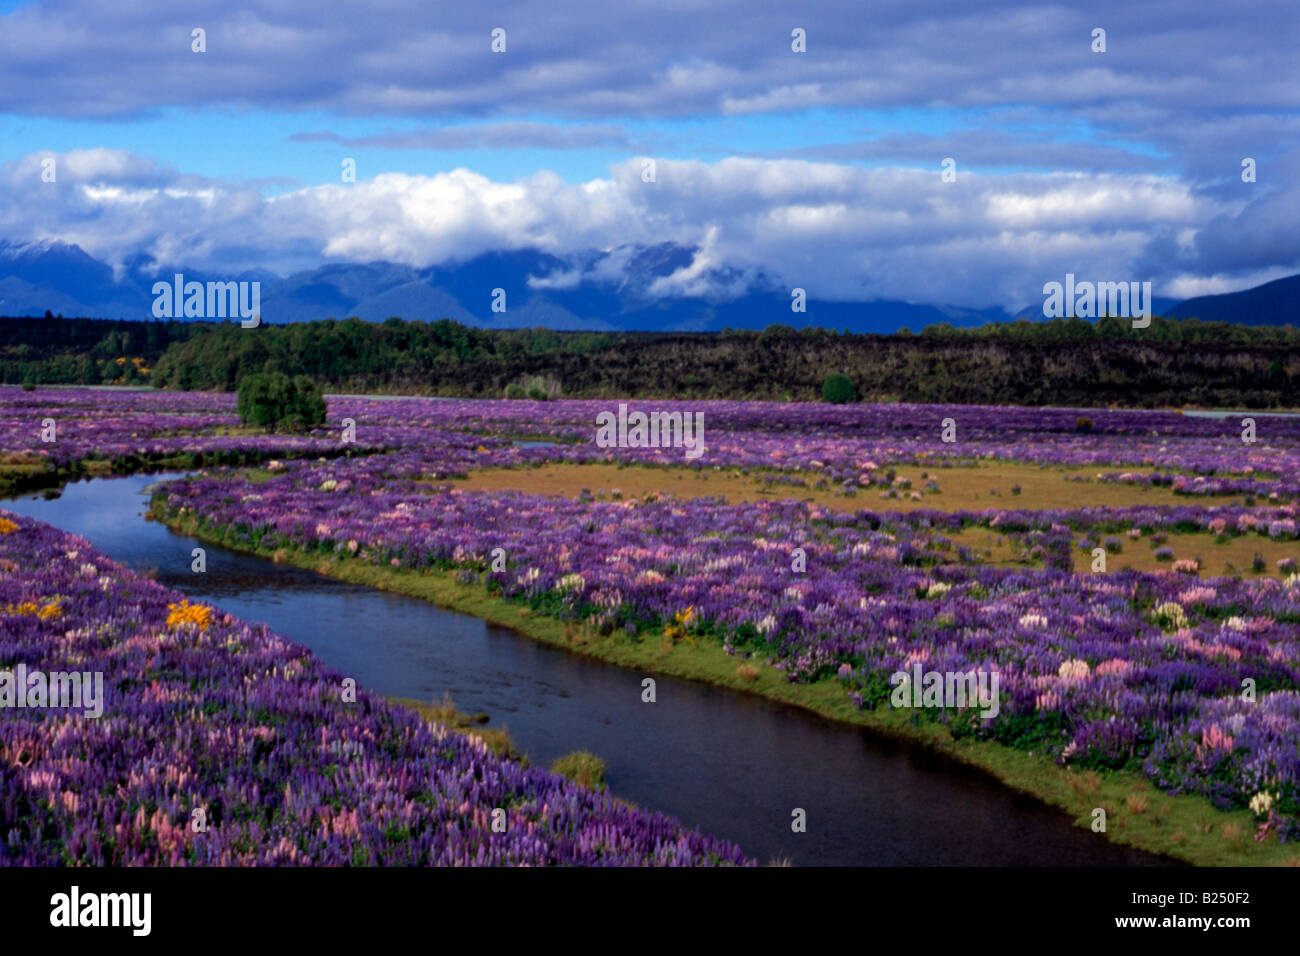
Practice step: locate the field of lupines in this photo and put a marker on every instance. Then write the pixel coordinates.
(836, 444)
(1144, 671)
(203, 711)
(54, 433)
(1098, 670)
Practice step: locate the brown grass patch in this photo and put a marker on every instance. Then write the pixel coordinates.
(964, 487)
(1234, 556)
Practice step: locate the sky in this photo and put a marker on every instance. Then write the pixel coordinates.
(822, 167)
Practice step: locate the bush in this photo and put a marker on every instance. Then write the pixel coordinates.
(838, 389)
(29, 386)
(582, 767)
(276, 401)
(540, 388)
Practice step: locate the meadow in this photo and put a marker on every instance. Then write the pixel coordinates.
(1130, 576)
(223, 744)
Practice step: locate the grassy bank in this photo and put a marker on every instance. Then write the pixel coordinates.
(1187, 827)
(26, 474)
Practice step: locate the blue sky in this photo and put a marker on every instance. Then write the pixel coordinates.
(259, 146)
(821, 167)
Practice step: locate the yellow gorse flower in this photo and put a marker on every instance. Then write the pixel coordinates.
(681, 621)
(200, 615)
(7, 526)
(46, 612)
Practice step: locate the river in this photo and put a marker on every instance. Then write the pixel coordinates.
(733, 764)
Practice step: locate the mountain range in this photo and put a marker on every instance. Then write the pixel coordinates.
(618, 289)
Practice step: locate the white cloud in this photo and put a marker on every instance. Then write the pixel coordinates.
(841, 232)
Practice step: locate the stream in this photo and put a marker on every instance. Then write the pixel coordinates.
(730, 763)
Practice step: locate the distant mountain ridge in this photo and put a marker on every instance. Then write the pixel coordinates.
(619, 289)
(1273, 303)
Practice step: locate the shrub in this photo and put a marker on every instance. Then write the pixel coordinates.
(582, 767)
(1082, 424)
(838, 389)
(540, 388)
(276, 401)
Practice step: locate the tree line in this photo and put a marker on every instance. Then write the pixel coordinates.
(1059, 362)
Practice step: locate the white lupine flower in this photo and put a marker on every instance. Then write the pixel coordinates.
(1172, 614)
(722, 564)
(1073, 669)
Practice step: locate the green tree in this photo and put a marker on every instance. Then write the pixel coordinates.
(276, 401)
(838, 389)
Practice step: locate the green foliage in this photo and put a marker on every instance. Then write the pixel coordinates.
(540, 388)
(838, 389)
(274, 400)
(84, 351)
(1064, 362)
(582, 767)
(516, 391)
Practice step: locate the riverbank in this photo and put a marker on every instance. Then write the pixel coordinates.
(224, 744)
(1187, 828)
(24, 474)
